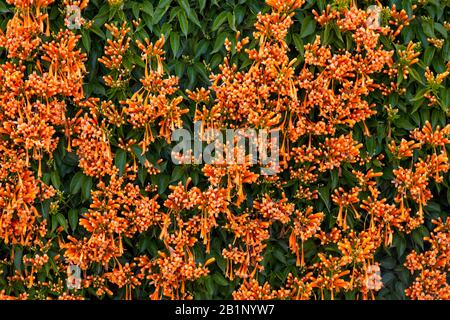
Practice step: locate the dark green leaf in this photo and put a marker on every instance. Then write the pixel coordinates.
(73, 218)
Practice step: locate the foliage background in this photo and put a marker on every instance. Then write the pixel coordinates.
(196, 30)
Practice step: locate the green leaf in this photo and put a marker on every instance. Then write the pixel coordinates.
(146, 6)
(166, 30)
(120, 159)
(441, 29)
(179, 69)
(86, 187)
(417, 237)
(388, 263)
(415, 75)
(400, 244)
(138, 153)
(239, 13)
(324, 193)
(76, 182)
(177, 173)
(445, 96)
(219, 43)
(232, 21)
(428, 28)
(86, 40)
(298, 43)
(200, 69)
(436, 117)
(164, 3)
(189, 12)
(280, 256)
(327, 35)
(18, 255)
(73, 218)
(96, 29)
(308, 26)
(209, 285)
(56, 181)
(388, 278)
(163, 182)
(202, 4)
(220, 280)
(160, 11)
(219, 20)
(184, 23)
(201, 48)
(62, 221)
(175, 43)
(142, 174)
(3, 8)
(403, 123)
(185, 5)
(428, 55)
(136, 7)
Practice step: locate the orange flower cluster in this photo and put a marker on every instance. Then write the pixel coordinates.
(210, 203)
(311, 109)
(170, 271)
(124, 276)
(153, 104)
(93, 148)
(32, 111)
(116, 48)
(246, 98)
(332, 86)
(22, 37)
(432, 266)
(118, 210)
(253, 233)
(414, 184)
(234, 172)
(252, 290)
(306, 225)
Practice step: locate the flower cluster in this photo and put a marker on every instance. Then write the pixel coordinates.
(33, 107)
(431, 266)
(118, 211)
(331, 206)
(155, 103)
